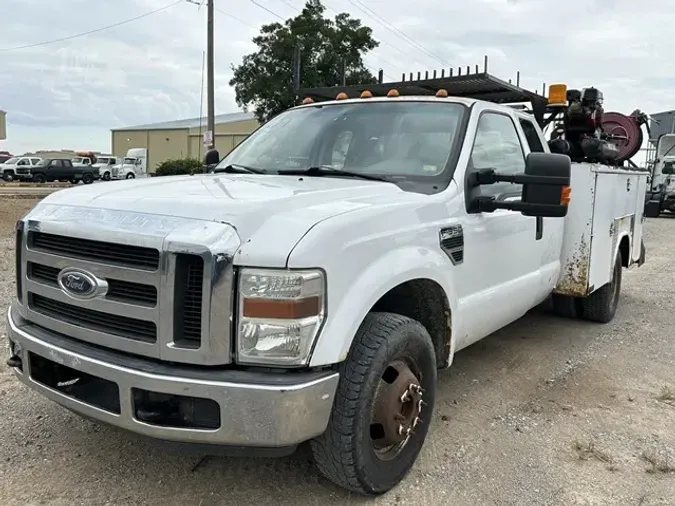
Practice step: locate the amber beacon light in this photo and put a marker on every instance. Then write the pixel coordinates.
(557, 95)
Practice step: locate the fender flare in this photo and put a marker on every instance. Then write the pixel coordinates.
(387, 272)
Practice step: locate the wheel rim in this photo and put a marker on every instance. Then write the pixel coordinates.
(396, 410)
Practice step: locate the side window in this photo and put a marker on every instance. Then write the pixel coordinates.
(55, 163)
(23, 162)
(34, 161)
(497, 146)
(533, 139)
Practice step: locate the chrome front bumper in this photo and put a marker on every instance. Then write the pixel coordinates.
(256, 409)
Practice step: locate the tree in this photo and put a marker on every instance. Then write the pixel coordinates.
(263, 82)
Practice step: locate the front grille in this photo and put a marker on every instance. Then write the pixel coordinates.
(86, 249)
(122, 326)
(162, 298)
(122, 291)
(188, 299)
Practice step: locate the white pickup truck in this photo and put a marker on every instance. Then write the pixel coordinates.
(281, 300)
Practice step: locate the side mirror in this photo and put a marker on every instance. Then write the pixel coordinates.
(546, 186)
(550, 197)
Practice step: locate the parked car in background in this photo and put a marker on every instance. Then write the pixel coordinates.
(61, 169)
(19, 167)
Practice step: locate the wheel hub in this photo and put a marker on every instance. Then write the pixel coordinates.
(397, 408)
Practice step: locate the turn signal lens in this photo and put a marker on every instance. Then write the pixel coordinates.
(565, 195)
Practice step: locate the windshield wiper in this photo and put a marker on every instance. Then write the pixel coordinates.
(327, 170)
(235, 168)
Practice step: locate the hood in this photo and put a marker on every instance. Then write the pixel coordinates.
(283, 207)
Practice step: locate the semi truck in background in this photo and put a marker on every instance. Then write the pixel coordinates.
(104, 165)
(661, 163)
(132, 166)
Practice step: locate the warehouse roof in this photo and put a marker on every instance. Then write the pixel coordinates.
(191, 123)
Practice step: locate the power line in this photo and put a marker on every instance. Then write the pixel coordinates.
(234, 17)
(82, 34)
(296, 9)
(266, 9)
(399, 33)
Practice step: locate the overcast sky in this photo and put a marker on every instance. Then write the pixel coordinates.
(70, 94)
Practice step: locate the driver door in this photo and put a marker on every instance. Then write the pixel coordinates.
(55, 170)
(501, 269)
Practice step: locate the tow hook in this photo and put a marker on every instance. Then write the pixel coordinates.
(14, 362)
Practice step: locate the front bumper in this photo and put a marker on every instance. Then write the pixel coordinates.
(254, 409)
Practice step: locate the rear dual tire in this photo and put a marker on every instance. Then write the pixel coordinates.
(600, 306)
(392, 358)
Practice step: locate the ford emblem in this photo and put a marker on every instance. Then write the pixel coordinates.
(78, 284)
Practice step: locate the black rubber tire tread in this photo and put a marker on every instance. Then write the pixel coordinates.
(106, 176)
(8, 176)
(564, 306)
(336, 452)
(598, 307)
(39, 178)
(130, 176)
(87, 179)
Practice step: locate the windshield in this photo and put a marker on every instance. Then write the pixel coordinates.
(12, 160)
(129, 161)
(102, 160)
(384, 138)
(77, 160)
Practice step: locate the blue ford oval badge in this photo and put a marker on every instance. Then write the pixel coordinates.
(77, 283)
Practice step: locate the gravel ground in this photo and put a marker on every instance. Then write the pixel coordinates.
(546, 412)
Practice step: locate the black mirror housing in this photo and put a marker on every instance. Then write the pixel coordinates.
(546, 190)
(549, 199)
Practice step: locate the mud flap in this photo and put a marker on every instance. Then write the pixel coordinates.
(643, 253)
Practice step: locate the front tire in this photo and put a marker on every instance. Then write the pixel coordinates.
(8, 177)
(130, 176)
(106, 176)
(376, 429)
(39, 178)
(87, 178)
(600, 306)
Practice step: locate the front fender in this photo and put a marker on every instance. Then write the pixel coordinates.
(353, 289)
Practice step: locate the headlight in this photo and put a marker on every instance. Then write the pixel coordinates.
(279, 315)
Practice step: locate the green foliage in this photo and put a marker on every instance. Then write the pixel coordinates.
(179, 166)
(263, 82)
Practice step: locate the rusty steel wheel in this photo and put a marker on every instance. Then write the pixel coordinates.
(382, 408)
(396, 409)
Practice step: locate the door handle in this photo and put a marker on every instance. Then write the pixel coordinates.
(627, 185)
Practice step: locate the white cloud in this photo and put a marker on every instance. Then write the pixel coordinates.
(69, 94)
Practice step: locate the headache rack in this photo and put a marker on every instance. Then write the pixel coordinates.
(477, 85)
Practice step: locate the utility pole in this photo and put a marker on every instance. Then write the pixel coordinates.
(210, 100)
(209, 136)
